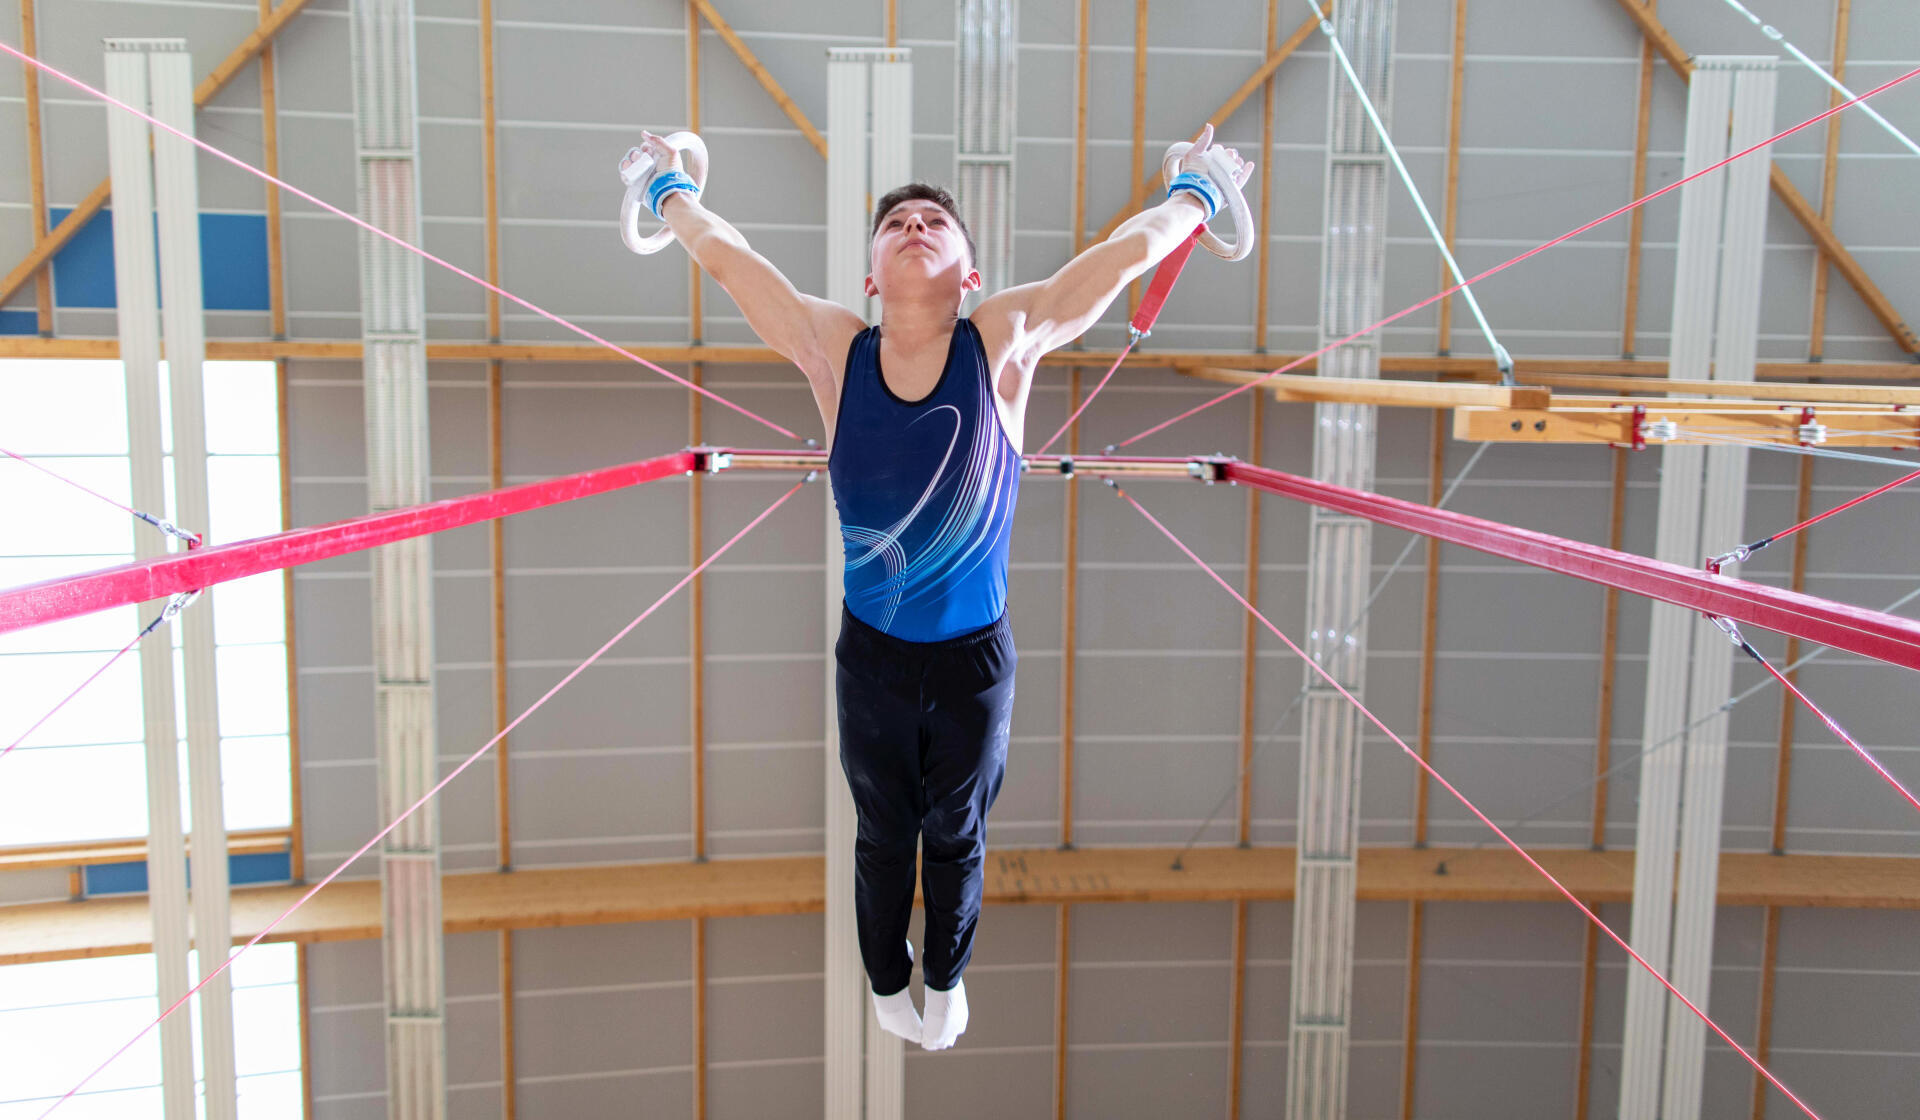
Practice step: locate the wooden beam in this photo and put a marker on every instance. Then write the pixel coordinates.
(1080, 53)
(759, 72)
(490, 166)
(1429, 630)
(696, 518)
(1796, 203)
(1063, 955)
(610, 895)
(509, 1061)
(1829, 170)
(1602, 762)
(1589, 986)
(1219, 117)
(44, 248)
(1851, 428)
(1796, 391)
(1249, 635)
(1451, 208)
(1137, 198)
(94, 853)
(1783, 778)
(1237, 1011)
(36, 170)
(296, 775)
(1637, 221)
(497, 614)
(305, 1000)
(1069, 623)
(1422, 787)
(270, 162)
(1375, 391)
(699, 1019)
(1241, 362)
(1266, 209)
(1410, 1020)
(893, 23)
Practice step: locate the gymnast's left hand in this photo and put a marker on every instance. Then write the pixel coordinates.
(1195, 160)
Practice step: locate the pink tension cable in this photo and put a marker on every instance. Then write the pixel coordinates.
(82, 686)
(1833, 725)
(1141, 325)
(1504, 265)
(430, 794)
(76, 83)
(1472, 808)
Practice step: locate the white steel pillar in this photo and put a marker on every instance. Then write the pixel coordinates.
(870, 152)
(1690, 663)
(986, 35)
(393, 330)
(846, 978)
(177, 194)
(137, 300)
(1353, 258)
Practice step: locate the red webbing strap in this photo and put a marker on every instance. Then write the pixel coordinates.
(1162, 283)
(1883, 637)
(138, 582)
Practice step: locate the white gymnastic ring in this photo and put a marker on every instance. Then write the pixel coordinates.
(1220, 170)
(639, 176)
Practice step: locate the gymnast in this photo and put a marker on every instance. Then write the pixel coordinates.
(924, 416)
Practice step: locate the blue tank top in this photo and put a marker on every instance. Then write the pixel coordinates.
(925, 490)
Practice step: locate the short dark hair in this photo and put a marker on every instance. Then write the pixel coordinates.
(930, 193)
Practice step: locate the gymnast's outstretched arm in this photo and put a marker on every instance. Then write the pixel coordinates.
(803, 329)
(1050, 313)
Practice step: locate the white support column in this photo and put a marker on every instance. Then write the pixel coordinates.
(177, 194)
(870, 152)
(890, 165)
(846, 979)
(1352, 272)
(137, 300)
(986, 36)
(393, 330)
(1689, 670)
(1736, 342)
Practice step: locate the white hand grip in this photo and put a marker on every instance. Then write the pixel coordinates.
(1221, 172)
(636, 170)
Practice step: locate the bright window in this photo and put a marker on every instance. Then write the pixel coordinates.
(82, 775)
(63, 1018)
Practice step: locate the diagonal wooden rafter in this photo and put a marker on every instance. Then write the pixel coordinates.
(1219, 117)
(249, 49)
(1796, 203)
(760, 74)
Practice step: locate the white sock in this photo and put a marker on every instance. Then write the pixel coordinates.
(897, 1015)
(896, 1012)
(946, 1017)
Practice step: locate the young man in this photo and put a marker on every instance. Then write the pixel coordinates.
(924, 416)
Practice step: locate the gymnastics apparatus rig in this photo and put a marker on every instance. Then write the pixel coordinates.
(1728, 601)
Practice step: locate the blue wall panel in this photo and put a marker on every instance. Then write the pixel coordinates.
(233, 262)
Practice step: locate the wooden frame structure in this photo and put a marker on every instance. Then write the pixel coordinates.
(605, 895)
(698, 890)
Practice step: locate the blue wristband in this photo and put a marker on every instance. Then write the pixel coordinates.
(1201, 187)
(666, 184)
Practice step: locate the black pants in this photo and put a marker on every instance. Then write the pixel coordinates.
(923, 740)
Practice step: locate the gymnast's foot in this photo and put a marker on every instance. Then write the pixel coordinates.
(896, 1012)
(946, 1017)
(897, 1015)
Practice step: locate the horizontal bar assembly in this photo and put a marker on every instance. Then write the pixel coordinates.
(139, 582)
(1868, 633)
(1131, 466)
(1633, 423)
(1883, 637)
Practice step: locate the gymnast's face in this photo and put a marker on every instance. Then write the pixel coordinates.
(919, 250)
